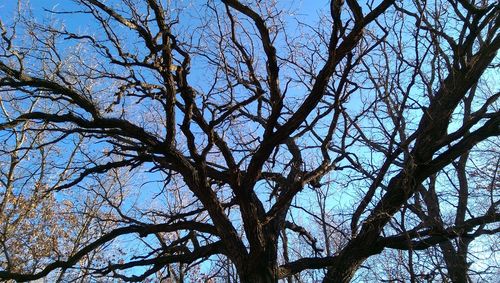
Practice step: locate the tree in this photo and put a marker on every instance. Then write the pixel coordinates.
(220, 130)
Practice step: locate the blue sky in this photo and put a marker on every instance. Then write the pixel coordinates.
(307, 11)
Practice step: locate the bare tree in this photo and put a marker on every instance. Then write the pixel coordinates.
(223, 129)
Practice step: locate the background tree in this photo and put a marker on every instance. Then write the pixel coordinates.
(245, 132)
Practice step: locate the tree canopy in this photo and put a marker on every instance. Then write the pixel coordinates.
(249, 141)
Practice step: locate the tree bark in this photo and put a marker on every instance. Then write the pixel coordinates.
(343, 272)
(456, 261)
(259, 272)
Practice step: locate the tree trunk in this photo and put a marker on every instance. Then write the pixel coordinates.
(259, 274)
(342, 273)
(350, 259)
(456, 261)
(260, 267)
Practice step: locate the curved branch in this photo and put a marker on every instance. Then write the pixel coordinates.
(431, 237)
(142, 230)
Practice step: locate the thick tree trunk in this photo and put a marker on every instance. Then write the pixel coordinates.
(456, 262)
(342, 272)
(260, 267)
(259, 276)
(340, 276)
(353, 255)
(259, 272)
